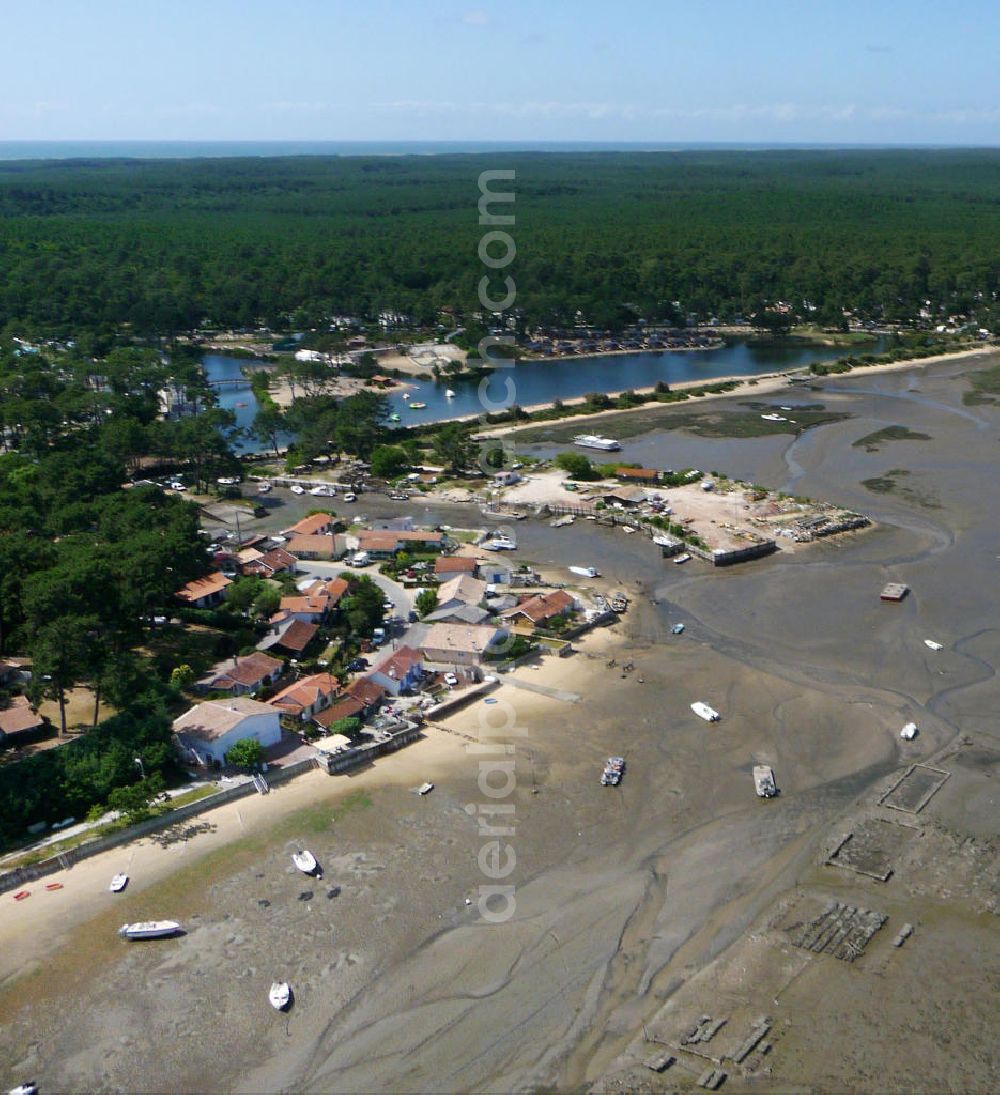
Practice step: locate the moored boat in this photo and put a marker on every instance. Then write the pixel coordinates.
(118, 883)
(280, 995)
(425, 788)
(763, 779)
(585, 572)
(149, 929)
(682, 558)
(614, 769)
(305, 861)
(596, 441)
(703, 711)
(417, 406)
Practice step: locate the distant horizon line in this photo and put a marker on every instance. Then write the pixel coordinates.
(207, 148)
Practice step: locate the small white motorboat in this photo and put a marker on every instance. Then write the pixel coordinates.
(585, 572)
(909, 731)
(118, 883)
(933, 645)
(406, 395)
(449, 394)
(149, 929)
(703, 711)
(280, 995)
(763, 778)
(28, 1087)
(305, 861)
(682, 558)
(425, 788)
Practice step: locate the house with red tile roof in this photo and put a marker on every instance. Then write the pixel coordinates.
(204, 592)
(311, 607)
(18, 720)
(318, 545)
(384, 543)
(367, 691)
(244, 676)
(447, 566)
(638, 475)
(270, 563)
(542, 608)
(336, 588)
(400, 671)
(308, 696)
(293, 638)
(347, 707)
(314, 525)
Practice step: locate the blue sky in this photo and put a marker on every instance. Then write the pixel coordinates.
(636, 70)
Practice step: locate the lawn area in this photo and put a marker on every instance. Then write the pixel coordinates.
(79, 709)
(187, 644)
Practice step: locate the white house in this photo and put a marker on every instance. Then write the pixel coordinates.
(209, 729)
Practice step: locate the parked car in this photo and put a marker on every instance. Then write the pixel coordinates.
(357, 665)
(450, 680)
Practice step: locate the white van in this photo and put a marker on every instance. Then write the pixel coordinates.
(361, 559)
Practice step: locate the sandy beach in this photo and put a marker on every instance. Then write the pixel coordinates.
(637, 908)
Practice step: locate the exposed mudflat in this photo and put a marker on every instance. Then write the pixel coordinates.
(639, 908)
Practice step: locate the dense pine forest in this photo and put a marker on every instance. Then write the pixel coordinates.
(167, 245)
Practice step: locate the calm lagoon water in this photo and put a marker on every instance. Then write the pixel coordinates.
(545, 381)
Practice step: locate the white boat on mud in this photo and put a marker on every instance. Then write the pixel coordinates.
(682, 558)
(619, 602)
(305, 861)
(118, 883)
(703, 711)
(149, 929)
(585, 572)
(614, 769)
(909, 731)
(933, 645)
(280, 995)
(763, 779)
(595, 441)
(425, 788)
(499, 543)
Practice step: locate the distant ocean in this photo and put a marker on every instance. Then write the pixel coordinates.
(180, 150)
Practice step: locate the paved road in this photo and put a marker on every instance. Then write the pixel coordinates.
(401, 597)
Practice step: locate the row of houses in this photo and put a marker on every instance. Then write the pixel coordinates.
(209, 730)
